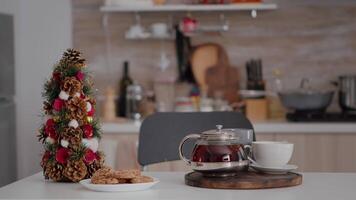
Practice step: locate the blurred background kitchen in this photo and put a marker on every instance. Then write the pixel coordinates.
(283, 63)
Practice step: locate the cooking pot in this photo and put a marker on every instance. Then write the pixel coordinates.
(306, 98)
(219, 152)
(347, 92)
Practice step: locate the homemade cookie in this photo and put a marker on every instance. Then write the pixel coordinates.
(141, 179)
(103, 173)
(106, 181)
(127, 174)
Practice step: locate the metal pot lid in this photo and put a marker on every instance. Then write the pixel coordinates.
(219, 134)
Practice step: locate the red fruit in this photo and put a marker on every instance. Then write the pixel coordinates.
(62, 155)
(82, 96)
(88, 131)
(89, 156)
(50, 129)
(91, 112)
(58, 104)
(56, 76)
(80, 75)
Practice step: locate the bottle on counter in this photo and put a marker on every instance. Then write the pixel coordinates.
(276, 110)
(123, 84)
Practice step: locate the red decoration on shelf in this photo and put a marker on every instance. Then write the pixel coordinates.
(88, 131)
(89, 156)
(62, 155)
(58, 104)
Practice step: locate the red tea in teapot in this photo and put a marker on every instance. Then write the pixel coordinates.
(218, 153)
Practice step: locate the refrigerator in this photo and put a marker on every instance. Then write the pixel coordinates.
(8, 169)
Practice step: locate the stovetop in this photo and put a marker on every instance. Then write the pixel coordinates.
(321, 117)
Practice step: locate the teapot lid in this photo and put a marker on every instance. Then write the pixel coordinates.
(219, 134)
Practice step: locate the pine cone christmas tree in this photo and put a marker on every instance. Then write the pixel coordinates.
(75, 170)
(71, 132)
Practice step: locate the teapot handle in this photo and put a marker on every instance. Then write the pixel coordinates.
(181, 155)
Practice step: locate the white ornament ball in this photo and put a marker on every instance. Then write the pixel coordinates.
(64, 143)
(50, 140)
(86, 142)
(94, 144)
(63, 95)
(89, 107)
(73, 123)
(77, 94)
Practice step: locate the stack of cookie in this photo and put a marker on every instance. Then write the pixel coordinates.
(107, 175)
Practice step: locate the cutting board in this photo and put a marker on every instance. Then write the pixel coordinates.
(203, 57)
(244, 180)
(224, 79)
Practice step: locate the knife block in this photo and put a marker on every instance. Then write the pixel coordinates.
(256, 109)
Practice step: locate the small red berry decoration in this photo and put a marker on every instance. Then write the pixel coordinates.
(88, 131)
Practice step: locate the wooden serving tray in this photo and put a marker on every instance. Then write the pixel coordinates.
(244, 180)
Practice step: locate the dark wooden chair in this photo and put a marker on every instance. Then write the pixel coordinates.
(161, 133)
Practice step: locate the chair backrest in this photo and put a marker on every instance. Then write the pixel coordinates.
(161, 133)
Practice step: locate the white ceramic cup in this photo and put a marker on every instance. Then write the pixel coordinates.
(159, 29)
(272, 154)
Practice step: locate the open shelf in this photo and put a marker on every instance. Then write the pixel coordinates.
(191, 8)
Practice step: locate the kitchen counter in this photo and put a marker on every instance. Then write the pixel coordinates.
(276, 126)
(171, 186)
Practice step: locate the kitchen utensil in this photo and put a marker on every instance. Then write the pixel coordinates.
(274, 170)
(347, 92)
(203, 57)
(220, 152)
(272, 154)
(223, 77)
(244, 180)
(254, 75)
(118, 187)
(306, 98)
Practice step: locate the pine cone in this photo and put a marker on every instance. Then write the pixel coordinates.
(73, 57)
(96, 165)
(53, 171)
(71, 85)
(77, 109)
(73, 136)
(47, 107)
(75, 170)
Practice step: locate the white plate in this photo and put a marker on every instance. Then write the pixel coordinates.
(118, 187)
(274, 170)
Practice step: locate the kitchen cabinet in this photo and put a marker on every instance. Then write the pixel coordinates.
(323, 152)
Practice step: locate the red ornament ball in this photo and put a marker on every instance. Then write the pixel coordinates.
(89, 156)
(88, 131)
(91, 112)
(50, 129)
(62, 155)
(56, 76)
(58, 104)
(80, 75)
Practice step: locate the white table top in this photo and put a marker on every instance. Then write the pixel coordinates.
(325, 186)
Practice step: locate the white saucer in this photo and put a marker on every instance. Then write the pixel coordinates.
(118, 187)
(274, 170)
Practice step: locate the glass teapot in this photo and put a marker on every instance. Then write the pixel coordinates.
(219, 150)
